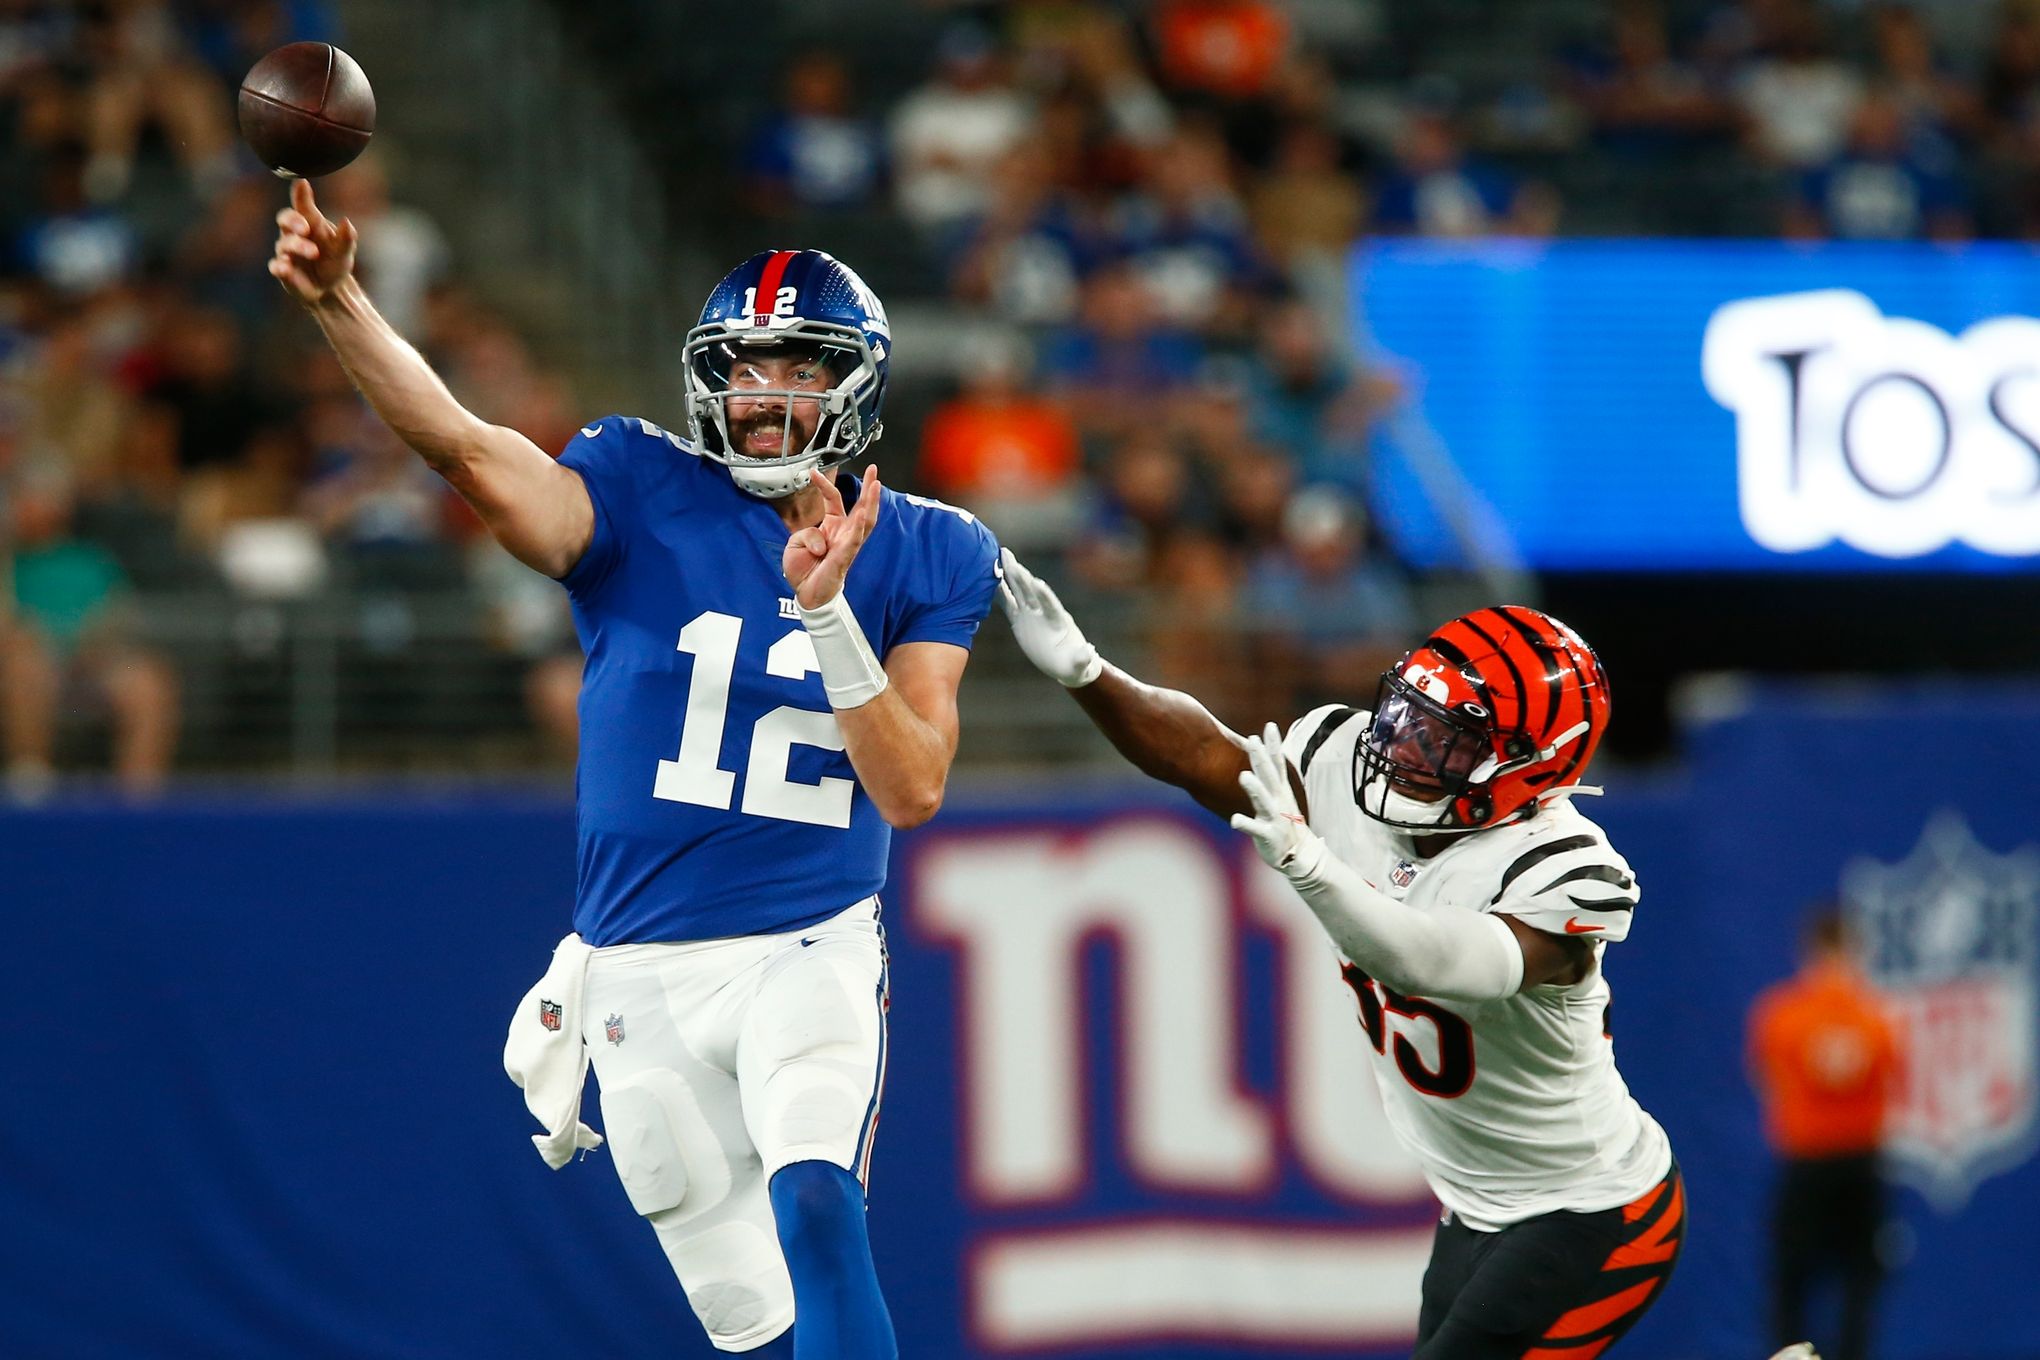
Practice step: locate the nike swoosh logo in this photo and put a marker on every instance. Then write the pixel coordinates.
(806, 942)
(590, 431)
(1572, 927)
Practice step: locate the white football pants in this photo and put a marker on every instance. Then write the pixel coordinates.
(721, 1061)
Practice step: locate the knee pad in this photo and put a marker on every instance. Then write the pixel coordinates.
(734, 1277)
(666, 1154)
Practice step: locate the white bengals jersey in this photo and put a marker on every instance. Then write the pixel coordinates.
(1513, 1107)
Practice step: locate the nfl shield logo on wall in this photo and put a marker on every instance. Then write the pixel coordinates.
(548, 1013)
(1948, 935)
(613, 1027)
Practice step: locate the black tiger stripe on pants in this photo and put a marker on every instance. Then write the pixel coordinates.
(1561, 1286)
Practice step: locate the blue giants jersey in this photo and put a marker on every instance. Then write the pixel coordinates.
(713, 794)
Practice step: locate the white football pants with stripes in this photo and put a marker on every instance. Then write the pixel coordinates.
(721, 1061)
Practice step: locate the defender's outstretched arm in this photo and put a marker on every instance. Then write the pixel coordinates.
(537, 509)
(1166, 733)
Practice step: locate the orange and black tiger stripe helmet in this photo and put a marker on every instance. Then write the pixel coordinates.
(1494, 710)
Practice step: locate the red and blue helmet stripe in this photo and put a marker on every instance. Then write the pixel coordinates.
(792, 297)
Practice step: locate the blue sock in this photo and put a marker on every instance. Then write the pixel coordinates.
(838, 1312)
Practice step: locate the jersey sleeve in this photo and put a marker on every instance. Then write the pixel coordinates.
(1574, 885)
(601, 454)
(963, 571)
(1308, 734)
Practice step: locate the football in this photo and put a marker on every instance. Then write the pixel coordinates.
(306, 109)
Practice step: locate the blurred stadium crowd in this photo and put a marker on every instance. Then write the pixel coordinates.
(1123, 224)
(186, 475)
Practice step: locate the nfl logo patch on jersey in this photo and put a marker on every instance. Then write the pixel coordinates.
(613, 1028)
(549, 1013)
(1403, 874)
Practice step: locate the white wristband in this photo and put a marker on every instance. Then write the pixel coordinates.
(851, 672)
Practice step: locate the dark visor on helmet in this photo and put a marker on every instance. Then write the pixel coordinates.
(1416, 743)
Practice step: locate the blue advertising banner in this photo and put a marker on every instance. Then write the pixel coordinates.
(1747, 406)
(257, 1107)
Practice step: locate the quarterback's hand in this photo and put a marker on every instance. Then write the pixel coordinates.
(1284, 839)
(1045, 630)
(313, 255)
(817, 559)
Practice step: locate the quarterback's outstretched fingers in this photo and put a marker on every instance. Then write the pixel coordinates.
(869, 500)
(302, 199)
(291, 220)
(832, 499)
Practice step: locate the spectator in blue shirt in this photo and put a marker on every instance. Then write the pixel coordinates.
(1306, 397)
(1187, 235)
(1878, 189)
(1327, 611)
(1118, 364)
(814, 151)
(1435, 189)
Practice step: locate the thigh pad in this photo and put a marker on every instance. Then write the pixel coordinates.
(667, 1154)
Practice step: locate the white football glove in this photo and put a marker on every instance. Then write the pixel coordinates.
(1284, 839)
(1045, 630)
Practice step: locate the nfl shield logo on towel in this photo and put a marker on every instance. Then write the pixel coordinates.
(613, 1027)
(549, 1013)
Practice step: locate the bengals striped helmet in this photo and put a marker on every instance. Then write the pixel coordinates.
(1483, 721)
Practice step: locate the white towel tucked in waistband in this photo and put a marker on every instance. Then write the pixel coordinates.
(546, 1057)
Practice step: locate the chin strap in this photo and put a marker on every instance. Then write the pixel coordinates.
(772, 483)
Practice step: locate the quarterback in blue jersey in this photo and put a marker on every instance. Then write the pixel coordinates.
(756, 716)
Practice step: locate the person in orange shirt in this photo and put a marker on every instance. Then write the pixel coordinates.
(1825, 1059)
(1011, 456)
(1228, 48)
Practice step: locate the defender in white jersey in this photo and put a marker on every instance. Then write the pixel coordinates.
(1470, 904)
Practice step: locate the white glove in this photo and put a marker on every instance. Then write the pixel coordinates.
(1045, 630)
(1284, 839)
(1447, 951)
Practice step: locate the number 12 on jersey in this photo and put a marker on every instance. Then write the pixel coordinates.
(694, 776)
